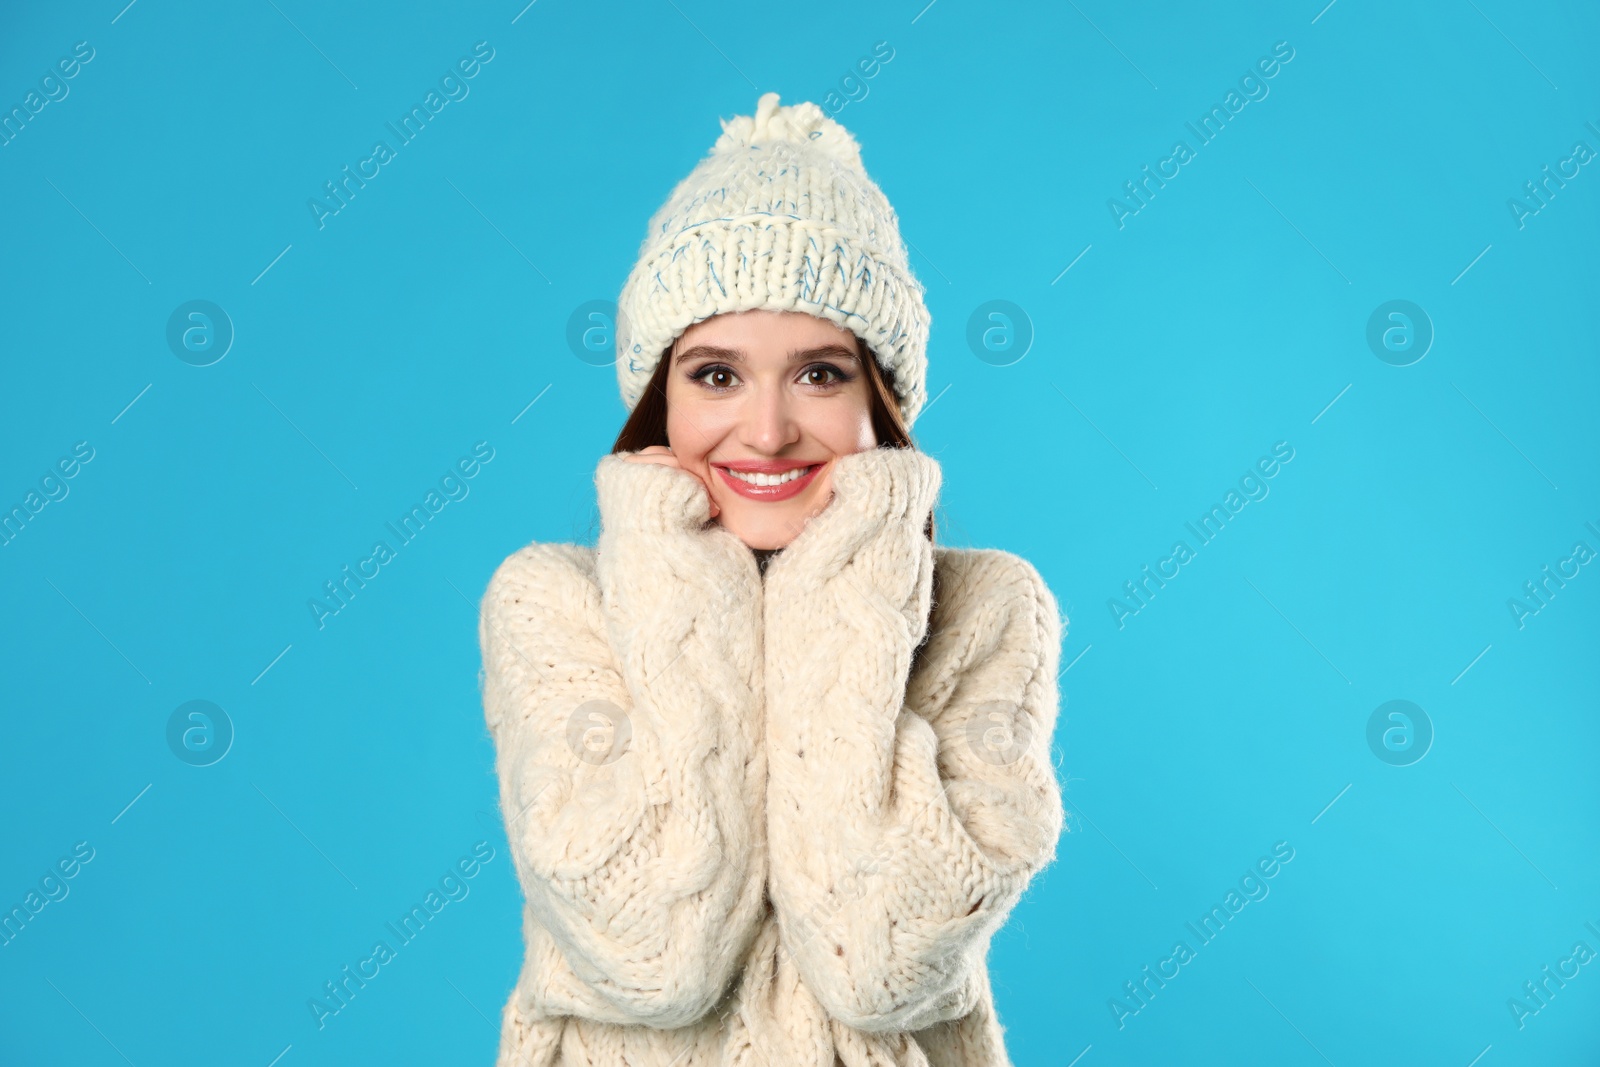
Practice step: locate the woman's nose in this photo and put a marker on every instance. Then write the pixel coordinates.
(769, 422)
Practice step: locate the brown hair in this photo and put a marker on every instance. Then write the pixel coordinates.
(647, 423)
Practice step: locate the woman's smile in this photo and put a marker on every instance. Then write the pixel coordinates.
(770, 479)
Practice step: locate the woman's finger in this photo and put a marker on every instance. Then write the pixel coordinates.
(658, 454)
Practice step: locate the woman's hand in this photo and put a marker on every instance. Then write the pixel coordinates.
(662, 455)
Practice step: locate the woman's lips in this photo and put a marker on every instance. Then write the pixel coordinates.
(769, 492)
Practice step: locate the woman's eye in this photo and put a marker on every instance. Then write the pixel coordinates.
(823, 370)
(716, 376)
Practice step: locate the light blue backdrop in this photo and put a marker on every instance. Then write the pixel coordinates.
(1437, 463)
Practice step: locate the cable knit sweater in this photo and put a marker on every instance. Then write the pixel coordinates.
(754, 823)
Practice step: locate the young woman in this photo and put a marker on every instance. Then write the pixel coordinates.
(774, 767)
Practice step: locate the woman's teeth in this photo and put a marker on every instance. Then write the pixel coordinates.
(755, 478)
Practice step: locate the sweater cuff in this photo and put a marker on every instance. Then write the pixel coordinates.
(887, 483)
(875, 491)
(649, 497)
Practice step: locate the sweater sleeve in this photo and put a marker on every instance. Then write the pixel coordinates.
(623, 705)
(904, 820)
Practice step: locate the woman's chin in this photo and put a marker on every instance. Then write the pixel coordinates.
(765, 533)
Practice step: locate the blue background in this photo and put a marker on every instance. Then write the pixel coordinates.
(1230, 313)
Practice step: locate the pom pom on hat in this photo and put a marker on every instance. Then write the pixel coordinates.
(779, 215)
(804, 123)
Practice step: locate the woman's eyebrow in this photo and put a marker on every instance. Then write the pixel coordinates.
(735, 355)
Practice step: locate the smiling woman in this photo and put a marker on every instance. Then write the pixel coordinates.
(828, 776)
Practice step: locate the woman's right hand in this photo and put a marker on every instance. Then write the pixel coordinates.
(663, 456)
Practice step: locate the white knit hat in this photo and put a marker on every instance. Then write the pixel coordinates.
(780, 215)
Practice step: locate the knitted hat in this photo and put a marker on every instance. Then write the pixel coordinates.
(780, 215)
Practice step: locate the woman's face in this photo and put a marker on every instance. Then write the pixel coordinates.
(759, 396)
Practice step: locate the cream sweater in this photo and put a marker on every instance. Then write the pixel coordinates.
(750, 830)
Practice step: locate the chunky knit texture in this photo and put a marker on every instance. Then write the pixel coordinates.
(749, 828)
(780, 215)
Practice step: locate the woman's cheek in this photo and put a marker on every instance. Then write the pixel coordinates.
(822, 488)
(713, 483)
